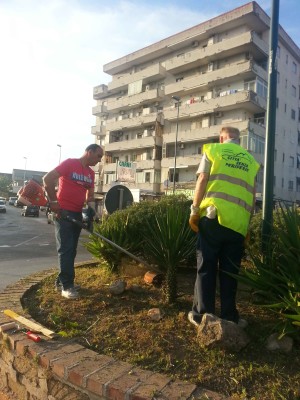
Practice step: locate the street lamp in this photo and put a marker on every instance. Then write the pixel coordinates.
(177, 99)
(25, 158)
(59, 145)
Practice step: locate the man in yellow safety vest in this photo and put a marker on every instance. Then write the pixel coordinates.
(220, 214)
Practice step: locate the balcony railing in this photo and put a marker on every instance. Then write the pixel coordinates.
(128, 123)
(128, 102)
(149, 74)
(230, 99)
(99, 92)
(99, 110)
(138, 143)
(249, 41)
(223, 75)
(98, 130)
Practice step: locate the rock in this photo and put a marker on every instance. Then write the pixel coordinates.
(155, 314)
(285, 344)
(117, 287)
(215, 332)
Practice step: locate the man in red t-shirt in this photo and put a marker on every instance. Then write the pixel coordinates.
(75, 187)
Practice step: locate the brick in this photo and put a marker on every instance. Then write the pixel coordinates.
(77, 375)
(96, 382)
(149, 386)
(56, 352)
(60, 366)
(177, 390)
(117, 388)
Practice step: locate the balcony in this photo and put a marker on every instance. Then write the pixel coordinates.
(248, 41)
(150, 74)
(128, 102)
(99, 110)
(228, 100)
(98, 130)
(135, 144)
(212, 132)
(99, 92)
(181, 161)
(127, 123)
(221, 76)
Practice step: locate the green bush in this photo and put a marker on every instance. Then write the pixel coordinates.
(275, 277)
(129, 227)
(169, 242)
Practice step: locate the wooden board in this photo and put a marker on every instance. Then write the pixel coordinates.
(30, 324)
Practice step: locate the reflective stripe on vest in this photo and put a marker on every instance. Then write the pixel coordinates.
(231, 179)
(232, 199)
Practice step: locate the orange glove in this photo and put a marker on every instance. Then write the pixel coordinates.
(194, 221)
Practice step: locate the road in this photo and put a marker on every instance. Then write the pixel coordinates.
(27, 245)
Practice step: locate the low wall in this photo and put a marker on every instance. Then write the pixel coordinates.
(64, 370)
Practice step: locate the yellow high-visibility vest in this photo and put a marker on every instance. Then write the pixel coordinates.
(230, 188)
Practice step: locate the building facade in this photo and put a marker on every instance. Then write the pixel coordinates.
(183, 89)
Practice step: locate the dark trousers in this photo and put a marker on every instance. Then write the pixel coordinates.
(67, 235)
(219, 250)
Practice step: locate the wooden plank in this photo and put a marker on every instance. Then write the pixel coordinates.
(30, 324)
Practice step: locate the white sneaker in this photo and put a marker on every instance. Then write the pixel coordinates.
(59, 287)
(191, 319)
(242, 323)
(70, 293)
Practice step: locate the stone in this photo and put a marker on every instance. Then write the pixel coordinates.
(118, 287)
(155, 314)
(284, 344)
(215, 332)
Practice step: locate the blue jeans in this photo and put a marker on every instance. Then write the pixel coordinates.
(219, 250)
(67, 235)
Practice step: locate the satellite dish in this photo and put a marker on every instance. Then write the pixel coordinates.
(117, 198)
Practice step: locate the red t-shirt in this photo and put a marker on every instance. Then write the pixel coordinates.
(74, 181)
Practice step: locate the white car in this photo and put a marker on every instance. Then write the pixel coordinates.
(2, 206)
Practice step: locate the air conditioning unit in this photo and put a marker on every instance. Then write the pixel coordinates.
(182, 145)
(195, 43)
(219, 114)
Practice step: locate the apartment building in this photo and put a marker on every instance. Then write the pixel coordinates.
(183, 89)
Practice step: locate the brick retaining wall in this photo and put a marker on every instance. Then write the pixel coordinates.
(61, 369)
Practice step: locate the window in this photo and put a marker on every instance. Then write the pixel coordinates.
(291, 185)
(298, 138)
(298, 161)
(286, 83)
(261, 88)
(282, 183)
(283, 157)
(287, 59)
(293, 91)
(285, 108)
(147, 177)
(278, 51)
(179, 79)
(249, 85)
(293, 114)
(292, 161)
(278, 77)
(294, 67)
(298, 185)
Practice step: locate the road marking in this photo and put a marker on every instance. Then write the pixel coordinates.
(26, 241)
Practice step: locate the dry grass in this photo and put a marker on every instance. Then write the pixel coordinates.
(119, 326)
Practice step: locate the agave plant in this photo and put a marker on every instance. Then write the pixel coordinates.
(278, 282)
(169, 241)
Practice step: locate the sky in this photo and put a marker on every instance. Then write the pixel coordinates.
(52, 56)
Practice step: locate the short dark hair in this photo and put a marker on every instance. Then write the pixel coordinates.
(93, 147)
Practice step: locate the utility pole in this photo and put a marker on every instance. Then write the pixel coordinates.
(267, 216)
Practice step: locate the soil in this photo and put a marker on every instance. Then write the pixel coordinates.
(119, 326)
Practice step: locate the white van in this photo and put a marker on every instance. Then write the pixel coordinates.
(11, 201)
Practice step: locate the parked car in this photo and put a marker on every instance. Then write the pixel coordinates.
(2, 206)
(11, 200)
(3, 199)
(32, 211)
